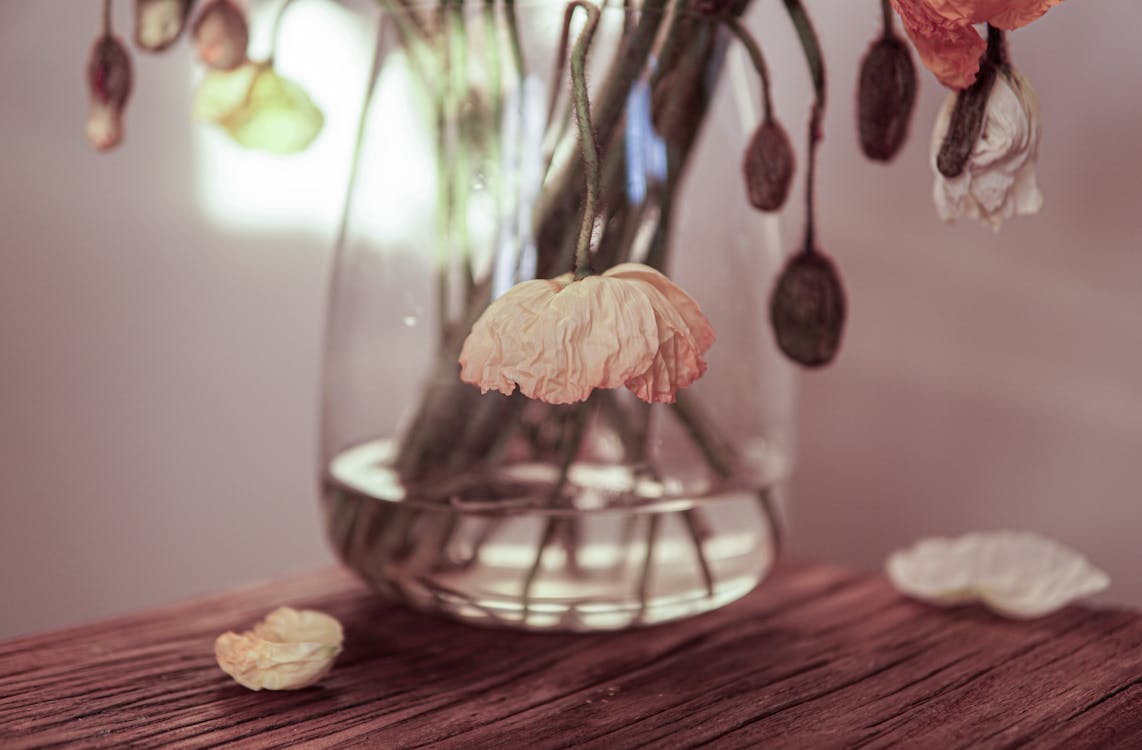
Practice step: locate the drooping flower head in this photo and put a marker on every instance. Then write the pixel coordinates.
(221, 34)
(998, 180)
(559, 339)
(109, 83)
(258, 108)
(159, 23)
(943, 34)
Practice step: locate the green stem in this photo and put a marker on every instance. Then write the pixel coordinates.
(742, 33)
(587, 143)
(513, 38)
(277, 28)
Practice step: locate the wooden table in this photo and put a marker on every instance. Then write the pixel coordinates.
(816, 658)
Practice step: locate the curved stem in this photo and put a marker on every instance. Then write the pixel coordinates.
(886, 14)
(812, 49)
(587, 143)
(277, 28)
(755, 56)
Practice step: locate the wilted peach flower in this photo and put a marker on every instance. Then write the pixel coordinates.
(998, 181)
(289, 649)
(559, 339)
(221, 34)
(943, 34)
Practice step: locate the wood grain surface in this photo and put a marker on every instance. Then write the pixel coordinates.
(816, 658)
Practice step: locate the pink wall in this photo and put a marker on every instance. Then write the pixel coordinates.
(158, 374)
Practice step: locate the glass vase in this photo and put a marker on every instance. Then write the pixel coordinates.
(504, 511)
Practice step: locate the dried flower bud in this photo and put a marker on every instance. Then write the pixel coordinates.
(885, 98)
(807, 309)
(159, 23)
(220, 35)
(288, 650)
(768, 166)
(109, 82)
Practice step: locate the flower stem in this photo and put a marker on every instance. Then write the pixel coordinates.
(742, 33)
(886, 14)
(277, 28)
(106, 18)
(587, 143)
(812, 48)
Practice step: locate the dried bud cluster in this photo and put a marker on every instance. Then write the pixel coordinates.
(159, 23)
(807, 309)
(768, 166)
(886, 97)
(221, 35)
(109, 83)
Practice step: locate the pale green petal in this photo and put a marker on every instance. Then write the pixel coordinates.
(278, 116)
(222, 92)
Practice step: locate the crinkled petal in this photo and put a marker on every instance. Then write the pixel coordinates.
(1014, 14)
(697, 322)
(277, 116)
(943, 35)
(502, 336)
(289, 650)
(1016, 574)
(678, 360)
(223, 92)
(950, 49)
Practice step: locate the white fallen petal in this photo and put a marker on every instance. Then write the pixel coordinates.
(1018, 574)
(288, 650)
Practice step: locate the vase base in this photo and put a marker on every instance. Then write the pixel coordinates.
(637, 559)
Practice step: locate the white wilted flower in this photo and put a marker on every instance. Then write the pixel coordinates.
(288, 650)
(1017, 574)
(998, 181)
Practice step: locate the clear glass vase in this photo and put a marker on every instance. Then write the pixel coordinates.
(497, 509)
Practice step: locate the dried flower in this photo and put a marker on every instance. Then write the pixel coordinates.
(1017, 574)
(109, 82)
(768, 166)
(559, 339)
(807, 309)
(886, 96)
(159, 23)
(943, 34)
(258, 108)
(998, 179)
(288, 650)
(221, 34)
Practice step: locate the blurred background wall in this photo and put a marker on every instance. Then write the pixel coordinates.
(159, 364)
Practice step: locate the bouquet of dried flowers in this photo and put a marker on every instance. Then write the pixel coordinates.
(584, 312)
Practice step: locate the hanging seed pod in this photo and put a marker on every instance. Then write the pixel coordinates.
(768, 166)
(886, 97)
(807, 309)
(220, 35)
(159, 23)
(109, 83)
